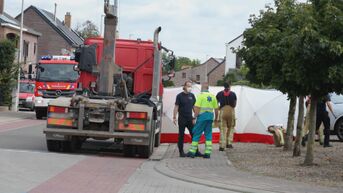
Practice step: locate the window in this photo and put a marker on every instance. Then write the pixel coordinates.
(35, 48)
(198, 77)
(13, 37)
(238, 61)
(183, 74)
(56, 73)
(25, 49)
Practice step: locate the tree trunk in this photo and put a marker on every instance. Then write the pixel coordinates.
(312, 131)
(290, 124)
(300, 123)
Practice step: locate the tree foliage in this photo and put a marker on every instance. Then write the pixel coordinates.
(87, 29)
(298, 49)
(168, 83)
(239, 77)
(185, 62)
(8, 71)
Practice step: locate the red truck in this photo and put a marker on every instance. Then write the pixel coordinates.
(55, 77)
(119, 95)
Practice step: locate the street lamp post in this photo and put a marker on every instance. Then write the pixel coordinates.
(16, 104)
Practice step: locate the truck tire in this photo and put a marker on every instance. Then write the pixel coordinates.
(339, 129)
(129, 150)
(158, 139)
(144, 151)
(40, 113)
(72, 145)
(67, 146)
(53, 145)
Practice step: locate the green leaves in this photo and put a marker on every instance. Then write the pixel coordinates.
(297, 47)
(8, 71)
(87, 29)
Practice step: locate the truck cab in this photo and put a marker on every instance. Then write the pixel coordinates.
(55, 77)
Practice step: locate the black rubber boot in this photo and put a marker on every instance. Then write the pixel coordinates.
(304, 140)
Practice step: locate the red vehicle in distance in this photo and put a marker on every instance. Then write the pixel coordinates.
(55, 77)
(26, 94)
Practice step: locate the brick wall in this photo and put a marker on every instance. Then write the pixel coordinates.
(2, 34)
(30, 39)
(216, 74)
(50, 42)
(192, 74)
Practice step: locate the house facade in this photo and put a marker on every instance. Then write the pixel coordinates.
(216, 74)
(57, 36)
(233, 61)
(196, 74)
(10, 30)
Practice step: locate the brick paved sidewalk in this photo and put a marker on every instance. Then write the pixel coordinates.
(218, 172)
(147, 180)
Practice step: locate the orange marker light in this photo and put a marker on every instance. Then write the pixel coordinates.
(137, 115)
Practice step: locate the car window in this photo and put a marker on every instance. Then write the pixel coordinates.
(26, 88)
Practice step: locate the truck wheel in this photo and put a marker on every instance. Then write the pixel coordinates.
(75, 144)
(53, 145)
(129, 150)
(67, 146)
(158, 139)
(339, 129)
(144, 151)
(40, 113)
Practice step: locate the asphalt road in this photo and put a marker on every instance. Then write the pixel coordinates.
(27, 166)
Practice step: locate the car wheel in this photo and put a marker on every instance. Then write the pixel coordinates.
(339, 129)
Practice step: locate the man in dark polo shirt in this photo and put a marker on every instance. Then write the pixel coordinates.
(323, 117)
(184, 107)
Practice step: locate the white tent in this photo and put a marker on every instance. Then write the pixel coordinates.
(256, 109)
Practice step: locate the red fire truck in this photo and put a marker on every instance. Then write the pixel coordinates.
(119, 95)
(55, 77)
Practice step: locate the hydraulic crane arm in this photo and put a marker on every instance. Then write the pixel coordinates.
(108, 69)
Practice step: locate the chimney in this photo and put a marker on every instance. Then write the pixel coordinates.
(67, 20)
(55, 12)
(2, 5)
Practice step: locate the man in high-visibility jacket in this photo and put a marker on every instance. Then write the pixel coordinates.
(204, 106)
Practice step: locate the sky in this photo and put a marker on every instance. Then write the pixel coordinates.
(197, 29)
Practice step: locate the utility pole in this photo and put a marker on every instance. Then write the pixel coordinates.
(16, 104)
(101, 25)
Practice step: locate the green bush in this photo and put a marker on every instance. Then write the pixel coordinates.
(8, 71)
(168, 83)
